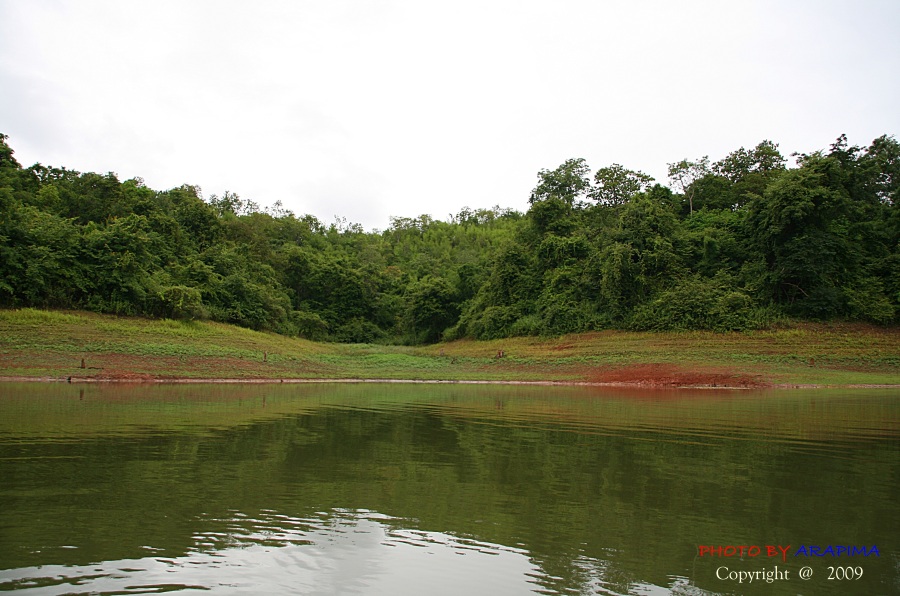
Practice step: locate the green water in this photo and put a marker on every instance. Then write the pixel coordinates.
(422, 489)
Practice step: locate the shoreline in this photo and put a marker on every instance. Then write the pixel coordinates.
(281, 381)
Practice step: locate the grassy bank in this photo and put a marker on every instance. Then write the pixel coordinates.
(53, 344)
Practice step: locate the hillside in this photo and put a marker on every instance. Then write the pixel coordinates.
(743, 243)
(52, 345)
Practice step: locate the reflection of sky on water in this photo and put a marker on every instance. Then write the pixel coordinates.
(342, 552)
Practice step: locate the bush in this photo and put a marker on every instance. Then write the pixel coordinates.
(560, 314)
(307, 325)
(358, 331)
(178, 302)
(493, 322)
(528, 325)
(697, 302)
(866, 300)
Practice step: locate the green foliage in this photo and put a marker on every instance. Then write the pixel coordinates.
(358, 331)
(560, 314)
(697, 302)
(867, 301)
(567, 183)
(308, 325)
(432, 307)
(7, 161)
(763, 159)
(616, 185)
(492, 322)
(40, 265)
(555, 251)
(714, 240)
(730, 245)
(552, 215)
(642, 256)
(179, 302)
(820, 229)
(684, 175)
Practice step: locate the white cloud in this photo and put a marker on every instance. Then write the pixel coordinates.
(371, 109)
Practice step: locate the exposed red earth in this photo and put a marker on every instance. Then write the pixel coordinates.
(668, 375)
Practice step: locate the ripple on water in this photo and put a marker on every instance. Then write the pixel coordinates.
(338, 552)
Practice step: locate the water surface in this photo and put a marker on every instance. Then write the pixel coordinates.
(387, 489)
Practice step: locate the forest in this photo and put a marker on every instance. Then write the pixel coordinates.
(736, 244)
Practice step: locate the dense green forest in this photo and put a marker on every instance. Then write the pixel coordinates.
(727, 245)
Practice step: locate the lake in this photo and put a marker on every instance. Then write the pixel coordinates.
(447, 489)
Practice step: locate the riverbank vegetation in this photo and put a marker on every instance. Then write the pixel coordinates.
(89, 346)
(737, 244)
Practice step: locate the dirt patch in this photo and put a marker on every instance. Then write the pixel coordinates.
(669, 375)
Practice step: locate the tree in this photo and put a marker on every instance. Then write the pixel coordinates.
(764, 158)
(568, 182)
(39, 263)
(881, 164)
(614, 185)
(231, 203)
(197, 219)
(552, 216)
(801, 226)
(432, 307)
(642, 257)
(119, 263)
(6, 154)
(92, 197)
(683, 174)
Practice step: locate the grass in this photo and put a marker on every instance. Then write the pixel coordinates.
(37, 343)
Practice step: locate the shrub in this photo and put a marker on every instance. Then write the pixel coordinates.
(698, 302)
(179, 302)
(307, 325)
(493, 322)
(358, 331)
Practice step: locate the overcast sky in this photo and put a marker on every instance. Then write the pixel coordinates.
(370, 109)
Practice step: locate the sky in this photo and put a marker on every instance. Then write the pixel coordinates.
(372, 109)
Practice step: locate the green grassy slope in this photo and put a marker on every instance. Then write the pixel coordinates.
(52, 344)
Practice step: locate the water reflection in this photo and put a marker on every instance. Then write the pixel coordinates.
(368, 489)
(340, 552)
